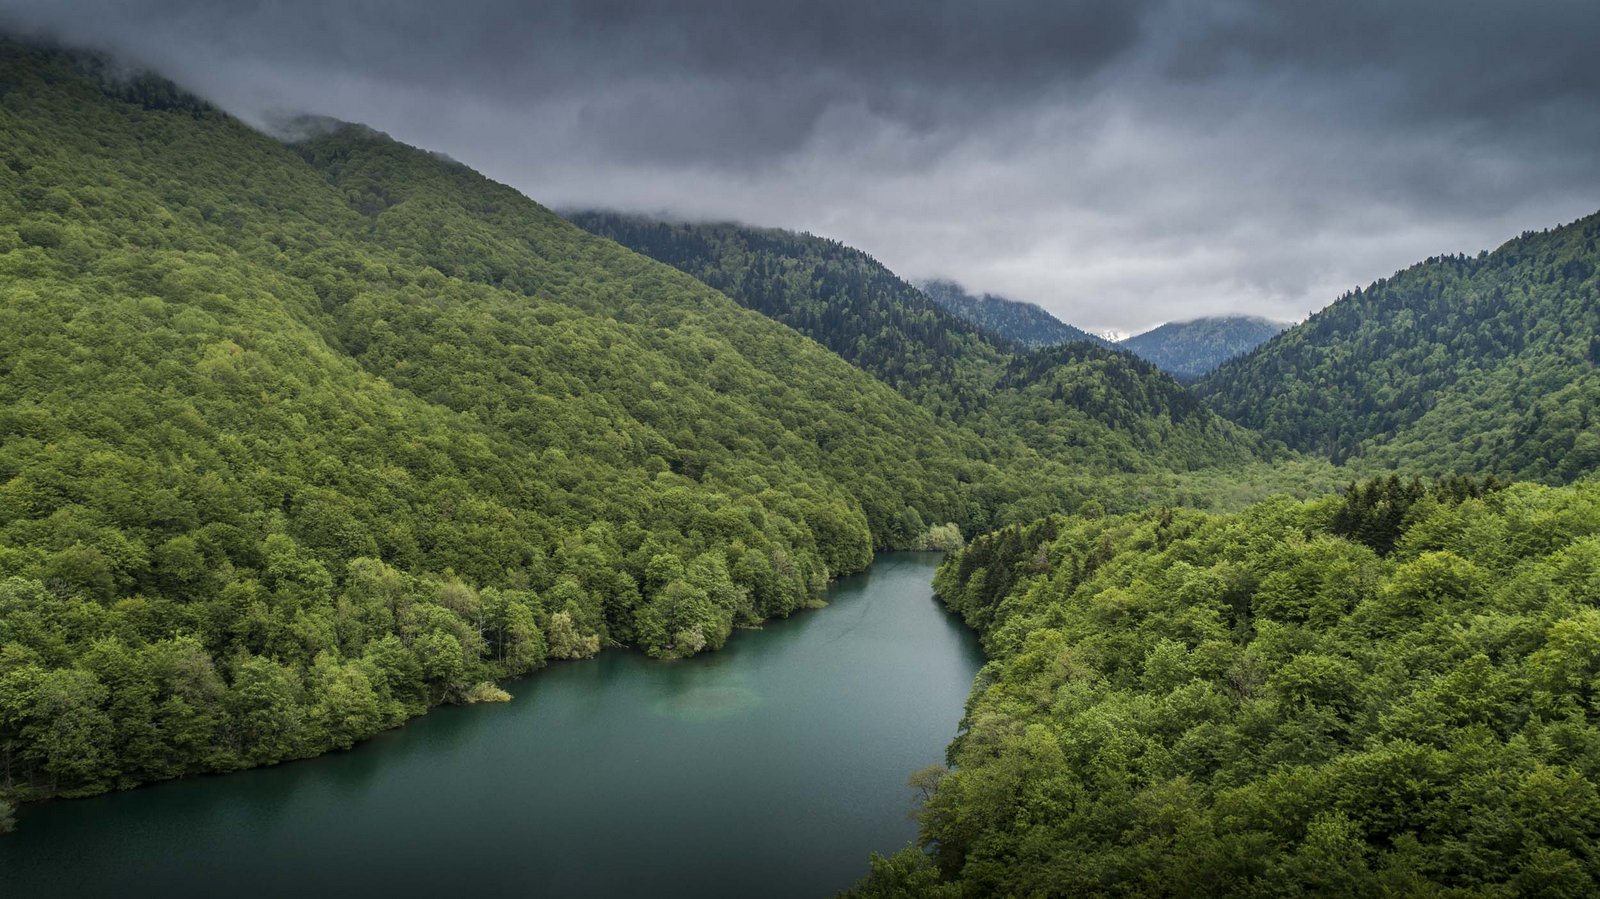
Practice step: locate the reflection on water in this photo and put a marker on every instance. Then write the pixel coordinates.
(703, 702)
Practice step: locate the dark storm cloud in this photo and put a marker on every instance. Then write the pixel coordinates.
(1121, 163)
(737, 81)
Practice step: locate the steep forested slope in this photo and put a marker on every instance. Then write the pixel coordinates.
(298, 441)
(1385, 693)
(1021, 323)
(1459, 363)
(1103, 410)
(837, 295)
(1186, 350)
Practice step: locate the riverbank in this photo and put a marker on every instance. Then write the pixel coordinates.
(773, 766)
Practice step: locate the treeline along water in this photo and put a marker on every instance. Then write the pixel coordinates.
(770, 768)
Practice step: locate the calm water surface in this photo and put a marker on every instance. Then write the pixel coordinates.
(771, 768)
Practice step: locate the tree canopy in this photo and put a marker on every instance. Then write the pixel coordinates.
(1388, 691)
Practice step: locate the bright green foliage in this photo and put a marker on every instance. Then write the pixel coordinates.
(941, 538)
(1482, 364)
(1023, 324)
(297, 441)
(1254, 704)
(1186, 350)
(1082, 404)
(908, 874)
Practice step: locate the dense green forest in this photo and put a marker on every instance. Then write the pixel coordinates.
(1188, 349)
(298, 441)
(1389, 691)
(1459, 363)
(1084, 404)
(1024, 324)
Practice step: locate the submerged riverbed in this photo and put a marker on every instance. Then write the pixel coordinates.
(773, 767)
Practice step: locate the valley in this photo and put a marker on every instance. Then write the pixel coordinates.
(362, 513)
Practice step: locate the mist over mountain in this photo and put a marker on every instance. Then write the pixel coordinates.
(1137, 161)
(1021, 323)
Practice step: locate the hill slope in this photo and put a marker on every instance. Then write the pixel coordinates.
(1103, 410)
(1021, 323)
(1186, 350)
(837, 295)
(298, 441)
(1458, 363)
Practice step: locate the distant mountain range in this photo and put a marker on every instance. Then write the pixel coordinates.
(1188, 349)
(1082, 403)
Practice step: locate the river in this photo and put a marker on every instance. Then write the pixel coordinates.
(770, 768)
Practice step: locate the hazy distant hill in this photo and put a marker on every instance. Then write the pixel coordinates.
(1189, 349)
(1457, 364)
(1016, 321)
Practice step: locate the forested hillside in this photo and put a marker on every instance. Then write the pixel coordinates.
(1186, 350)
(1021, 323)
(1051, 396)
(298, 441)
(837, 295)
(1100, 410)
(1386, 692)
(1459, 363)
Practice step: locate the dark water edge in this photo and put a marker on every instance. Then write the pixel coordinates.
(770, 768)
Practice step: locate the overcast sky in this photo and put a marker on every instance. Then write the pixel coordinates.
(1120, 163)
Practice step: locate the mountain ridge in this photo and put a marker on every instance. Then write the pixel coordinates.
(1022, 323)
(1119, 418)
(1483, 363)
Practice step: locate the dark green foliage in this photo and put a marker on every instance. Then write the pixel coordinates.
(1023, 324)
(1252, 704)
(1186, 350)
(298, 441)
(1378, 511)
(1460, 363)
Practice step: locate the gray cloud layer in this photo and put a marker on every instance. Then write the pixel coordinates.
(1120, 163)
